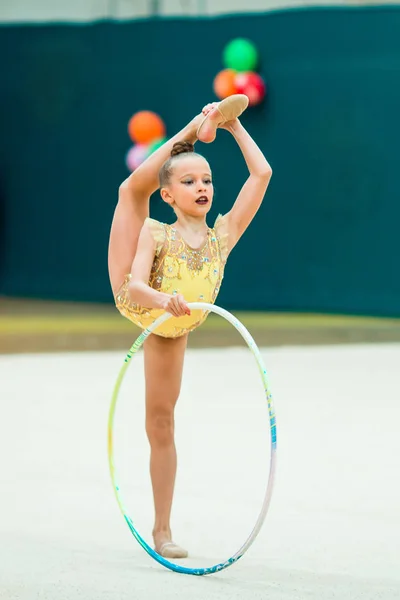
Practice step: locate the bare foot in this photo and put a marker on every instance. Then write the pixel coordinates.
(217, 114)
(208, 130)
(195, 123)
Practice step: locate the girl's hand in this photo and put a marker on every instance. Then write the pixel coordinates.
(208, 108)
(176, 306)
(230, 125)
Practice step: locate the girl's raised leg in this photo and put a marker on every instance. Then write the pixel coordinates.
(133, 207)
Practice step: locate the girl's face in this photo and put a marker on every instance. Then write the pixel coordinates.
(190, 189)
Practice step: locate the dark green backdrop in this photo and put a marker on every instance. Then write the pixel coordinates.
(326, 238)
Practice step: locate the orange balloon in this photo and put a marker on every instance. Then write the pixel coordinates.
(224, 83)
(145, 127)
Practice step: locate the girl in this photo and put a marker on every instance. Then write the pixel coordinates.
(170, 266)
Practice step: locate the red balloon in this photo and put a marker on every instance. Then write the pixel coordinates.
(252, 85)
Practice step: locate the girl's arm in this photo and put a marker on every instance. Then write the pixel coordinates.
(144, 180)
(252, 193)
(139, 290)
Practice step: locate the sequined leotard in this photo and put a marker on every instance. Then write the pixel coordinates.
(180, 269)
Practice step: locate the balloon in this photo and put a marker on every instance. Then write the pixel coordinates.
(240, 55)
(252, 85)
(136, 155)
(145, 127)
(224, 83)
(156, 145)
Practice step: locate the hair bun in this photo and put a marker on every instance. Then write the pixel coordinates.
(181, 148)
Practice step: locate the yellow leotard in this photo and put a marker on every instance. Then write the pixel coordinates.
(180, 269)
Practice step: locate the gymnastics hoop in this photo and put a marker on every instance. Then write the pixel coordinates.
(272, 421)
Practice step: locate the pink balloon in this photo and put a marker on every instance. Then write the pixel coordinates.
(136, 155)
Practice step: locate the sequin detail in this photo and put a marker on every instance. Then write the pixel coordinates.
(180, 269)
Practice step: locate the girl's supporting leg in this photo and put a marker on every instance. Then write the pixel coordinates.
(163, 371)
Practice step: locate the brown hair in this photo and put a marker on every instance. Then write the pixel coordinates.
(183, 149)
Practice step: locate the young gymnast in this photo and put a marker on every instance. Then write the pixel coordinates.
(155, 267)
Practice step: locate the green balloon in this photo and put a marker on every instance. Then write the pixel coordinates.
(156, 145)
(240, 55)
